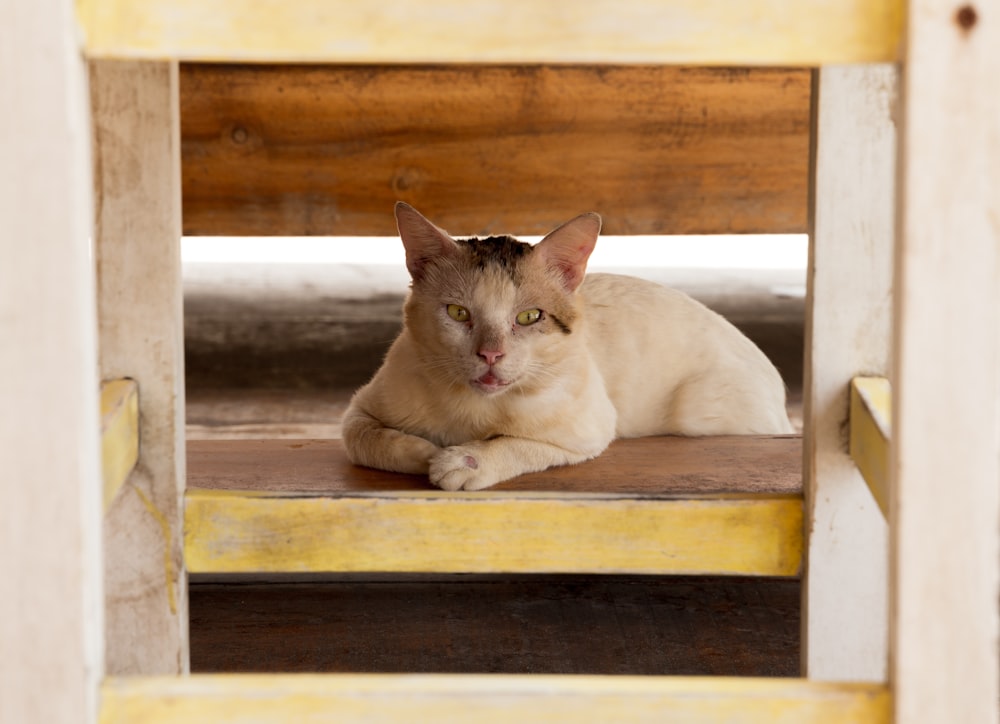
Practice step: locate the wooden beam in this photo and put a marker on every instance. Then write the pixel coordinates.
(51, 627)
(703, 32)
(233, 532)
(460, 698)
(644, 506)
(871, 402)
(849, 299)
(119, 434)
(328, 150)
(945, 452)
(137, 183)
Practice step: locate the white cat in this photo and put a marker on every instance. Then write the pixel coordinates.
(512, 361)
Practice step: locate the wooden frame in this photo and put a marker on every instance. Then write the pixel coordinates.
(944, 663)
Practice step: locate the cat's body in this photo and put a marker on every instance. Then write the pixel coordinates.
(511, 362)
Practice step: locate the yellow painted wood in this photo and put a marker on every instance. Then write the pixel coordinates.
(119, 434)
(752, 32)
(214, 699)
(236, 532)
(871, 425)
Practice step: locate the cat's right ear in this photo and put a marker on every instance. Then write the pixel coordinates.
(422, 240)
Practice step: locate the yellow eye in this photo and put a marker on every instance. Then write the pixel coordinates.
(459, 314)
(529, 316)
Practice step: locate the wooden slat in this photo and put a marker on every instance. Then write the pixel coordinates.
(643, 466)
(461, 698)
(50, 480)
(328, 150)
(119, 434)
(871, 426)
(848, 323)
(610, 515)
(945, 452)
(765, 32)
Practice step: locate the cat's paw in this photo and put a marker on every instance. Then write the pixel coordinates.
(458, 468)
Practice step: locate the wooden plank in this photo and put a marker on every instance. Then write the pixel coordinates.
(328, 150)
(119, 434)
(137, 182)
(946, 363)
(848, 321)
(656, 505)
(558, 624)
(704, 32)
(462, 698)
(871, 403)
(643, 466)
(50, 514)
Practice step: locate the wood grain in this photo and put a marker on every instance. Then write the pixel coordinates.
(761, 32)
(639, 625)
(328, 150)
(141, 327)
(871, 400)
(662, 466)
(848, 327)
(945, 451)
(51, 628)
(215, 698)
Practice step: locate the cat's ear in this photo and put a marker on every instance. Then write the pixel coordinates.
(422, 240)
(567, 249)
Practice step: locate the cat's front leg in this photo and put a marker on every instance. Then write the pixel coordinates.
(369, 442)
(481, 464)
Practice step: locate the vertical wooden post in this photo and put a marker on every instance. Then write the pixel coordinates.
(137, 187)
(845, 594)
(50, 482)
(945, 452)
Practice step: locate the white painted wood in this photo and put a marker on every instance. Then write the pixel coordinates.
(137, 187)
(845, 593)
(945, 451)
(50, 489)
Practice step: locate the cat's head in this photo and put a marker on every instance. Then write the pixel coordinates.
(495, 314)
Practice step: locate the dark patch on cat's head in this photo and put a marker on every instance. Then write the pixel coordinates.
(502, 252)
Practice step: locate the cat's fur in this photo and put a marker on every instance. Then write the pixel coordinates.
(475, 401)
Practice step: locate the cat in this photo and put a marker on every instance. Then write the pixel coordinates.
(513, 360)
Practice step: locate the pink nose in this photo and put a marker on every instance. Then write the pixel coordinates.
(490, 355)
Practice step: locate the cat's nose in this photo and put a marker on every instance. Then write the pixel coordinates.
(490, 355)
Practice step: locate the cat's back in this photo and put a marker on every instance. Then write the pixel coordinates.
(671, 365)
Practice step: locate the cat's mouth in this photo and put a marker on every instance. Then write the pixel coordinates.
(490, 383)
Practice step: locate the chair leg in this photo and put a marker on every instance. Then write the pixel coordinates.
(847, 333)
(137, 188)
(50, 480)
(945, 451)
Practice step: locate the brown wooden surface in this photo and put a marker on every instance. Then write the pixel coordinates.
(327, 150)
(643, 466)
(538, 624)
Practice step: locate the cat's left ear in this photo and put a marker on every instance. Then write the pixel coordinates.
(423, 241)
(568, 247)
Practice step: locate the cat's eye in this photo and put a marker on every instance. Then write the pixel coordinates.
(529, 316)
(459, 314)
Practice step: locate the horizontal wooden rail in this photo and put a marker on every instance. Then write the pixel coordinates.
(871, 425)
(328, 150)
(215, 699)
(119, 434)
(703, 32)
(657, 505)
